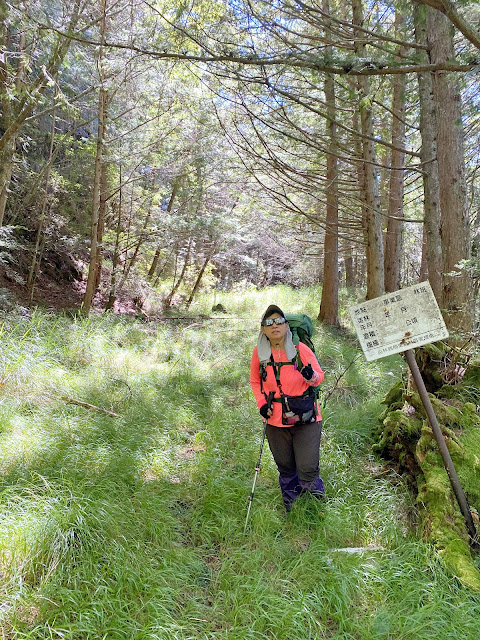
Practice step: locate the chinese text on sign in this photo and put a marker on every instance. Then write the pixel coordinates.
(398, 321)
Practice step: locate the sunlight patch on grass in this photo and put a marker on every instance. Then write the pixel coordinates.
(23, 441)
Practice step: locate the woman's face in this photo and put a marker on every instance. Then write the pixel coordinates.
(275, 332)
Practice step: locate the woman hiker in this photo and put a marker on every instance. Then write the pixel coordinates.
(294, 425)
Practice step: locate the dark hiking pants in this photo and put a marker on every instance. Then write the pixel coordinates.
(296, 451)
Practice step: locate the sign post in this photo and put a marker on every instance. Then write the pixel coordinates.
(396, 323)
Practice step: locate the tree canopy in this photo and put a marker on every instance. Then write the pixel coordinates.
(161, 147)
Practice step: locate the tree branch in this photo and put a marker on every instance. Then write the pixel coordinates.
(448, 8)
(369, 67)
(90, 406)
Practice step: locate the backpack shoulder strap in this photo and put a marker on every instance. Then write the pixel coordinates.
(298, 358)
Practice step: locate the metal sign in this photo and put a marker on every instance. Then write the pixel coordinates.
(398, 321)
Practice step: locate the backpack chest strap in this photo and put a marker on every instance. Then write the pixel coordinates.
(276, 366)
(296, 361)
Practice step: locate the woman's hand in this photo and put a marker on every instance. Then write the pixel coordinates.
(266, 411)
(307, 372)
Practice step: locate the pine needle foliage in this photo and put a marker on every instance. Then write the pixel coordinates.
(131, 527)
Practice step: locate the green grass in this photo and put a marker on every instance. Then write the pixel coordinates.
(132, 527)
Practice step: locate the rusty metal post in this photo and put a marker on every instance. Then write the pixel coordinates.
(437, 432)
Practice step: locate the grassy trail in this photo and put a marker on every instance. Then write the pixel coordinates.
(132, 527)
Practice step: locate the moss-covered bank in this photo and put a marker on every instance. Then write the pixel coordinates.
(404, 436)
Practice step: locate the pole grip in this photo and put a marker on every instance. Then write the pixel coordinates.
(271, 396)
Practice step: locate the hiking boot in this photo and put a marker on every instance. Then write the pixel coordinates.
(290, 488)
(314, 487)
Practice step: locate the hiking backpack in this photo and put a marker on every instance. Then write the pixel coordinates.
(302, 329)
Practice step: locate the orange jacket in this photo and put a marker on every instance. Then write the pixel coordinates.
(292, 381)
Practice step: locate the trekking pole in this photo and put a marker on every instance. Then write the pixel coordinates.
(257, 467)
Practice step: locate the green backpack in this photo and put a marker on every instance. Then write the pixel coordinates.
(302, 329)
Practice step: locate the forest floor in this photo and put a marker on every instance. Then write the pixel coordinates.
(55, 289)
(53, 292)
(131, 526)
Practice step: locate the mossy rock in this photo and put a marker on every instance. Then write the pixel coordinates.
(398, 427)
(472, 375)
(428, 358)
(404, 435)
(448, 392)
(442, 522)
(395, 395)
(470, 418)
(456, 415)
(435, 351)
(398, 438)
(468, 469)
(378, 431)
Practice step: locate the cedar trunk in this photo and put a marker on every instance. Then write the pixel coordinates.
(457, 299)
(14, 111)
(328, 313)
(198, 281)
(176, 285)
(116, 252)
(373, 222)
(92, 278)
(393, 238)
(431, 185)
(39, 242)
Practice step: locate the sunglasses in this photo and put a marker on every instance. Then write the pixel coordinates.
(270, 321)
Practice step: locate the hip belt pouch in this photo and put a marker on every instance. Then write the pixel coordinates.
(298, 409)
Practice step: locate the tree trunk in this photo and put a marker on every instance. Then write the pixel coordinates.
(6, 165)
(101, 219)
(328, 313)
(162, 268)
(200, 276)
(116, 251)
(424, 263)
(39, 244)
(457, 299)
(156, 257)
(431, 185)
(375, 260)
(6, 120)
(393, 239)
(102, 103)
(350, 279)
(357, 144)
(140, 241)
(129, 229)
(176, 285)
(154, 265)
